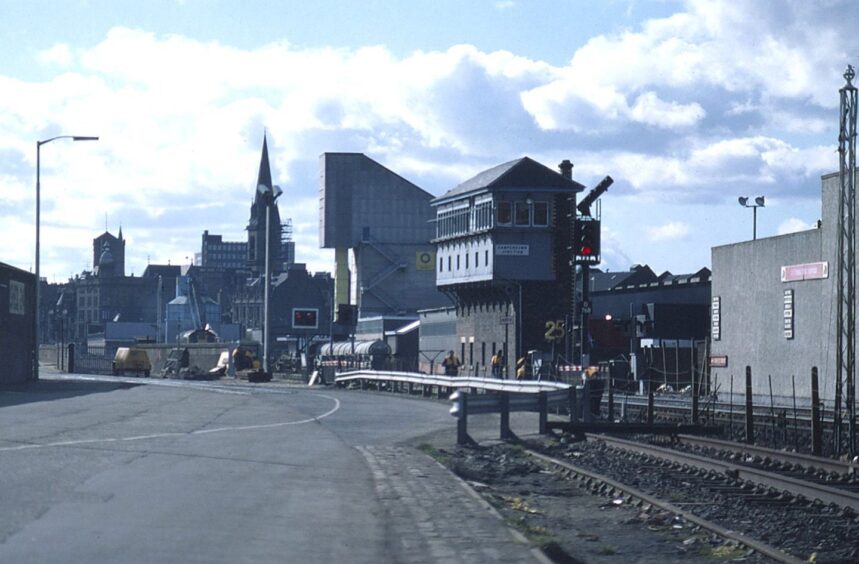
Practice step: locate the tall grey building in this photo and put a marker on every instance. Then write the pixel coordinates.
(379, 225)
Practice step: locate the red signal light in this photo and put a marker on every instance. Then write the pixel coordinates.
(586, 251)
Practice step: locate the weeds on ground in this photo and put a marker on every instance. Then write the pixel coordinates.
(442, 456)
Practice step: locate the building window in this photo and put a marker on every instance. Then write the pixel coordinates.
(476, 259)
(440, 264)
(448, 263)
(505, 213)
(541, 214)
(466, 261)
(457, 262)
(523, 215)
(486, 257)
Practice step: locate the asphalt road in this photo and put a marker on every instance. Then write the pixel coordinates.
(197, 472)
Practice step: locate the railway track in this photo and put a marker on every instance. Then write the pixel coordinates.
(606, 485)
(787, 518)
(799, 487)
(769, 456)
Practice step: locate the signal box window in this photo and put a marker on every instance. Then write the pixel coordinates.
(305, 318)
(523, 217)
(541, 214)
(505, 213)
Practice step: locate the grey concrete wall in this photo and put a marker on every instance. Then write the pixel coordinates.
(747, 279)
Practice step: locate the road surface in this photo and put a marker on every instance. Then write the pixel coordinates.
(172, 471)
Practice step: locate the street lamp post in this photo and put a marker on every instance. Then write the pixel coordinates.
(38, 219)
(271, 194)
(759, 203)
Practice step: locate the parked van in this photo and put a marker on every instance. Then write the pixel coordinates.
(129, 359)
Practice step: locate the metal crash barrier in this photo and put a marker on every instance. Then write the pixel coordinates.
(476, 396)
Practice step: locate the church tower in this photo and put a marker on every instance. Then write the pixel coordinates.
(257, 222)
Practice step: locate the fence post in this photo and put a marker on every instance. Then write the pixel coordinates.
(816, 431)
(462, 421)
(694, 397)
(750, 418)
(411, 388)
(542, 406)
(610, 398)
(650, 407)
(505, 416)
(71, 362)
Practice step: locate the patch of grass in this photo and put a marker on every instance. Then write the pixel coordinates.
(607, 550)
(540, 536)
(725, 552)
(440, 455)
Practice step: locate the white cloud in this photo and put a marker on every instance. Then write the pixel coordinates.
(59, 55)
(668, 232)
(792, 225)
(717, 100)
(649, 109)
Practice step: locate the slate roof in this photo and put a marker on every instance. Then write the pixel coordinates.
(521, 173)
(642, 276)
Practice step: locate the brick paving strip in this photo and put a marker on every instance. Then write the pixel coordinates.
(434, 516)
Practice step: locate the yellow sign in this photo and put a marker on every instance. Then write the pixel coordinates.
(554, 330)
(425, 260)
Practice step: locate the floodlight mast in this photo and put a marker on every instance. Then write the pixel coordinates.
(846, 334)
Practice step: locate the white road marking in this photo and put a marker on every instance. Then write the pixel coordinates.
(181, 434)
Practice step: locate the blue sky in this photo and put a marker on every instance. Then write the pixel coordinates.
(688, 105)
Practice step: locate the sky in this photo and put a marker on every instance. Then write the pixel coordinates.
(686, 104)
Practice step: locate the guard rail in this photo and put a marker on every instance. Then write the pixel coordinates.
(499, 396)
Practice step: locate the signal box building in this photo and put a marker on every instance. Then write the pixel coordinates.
(502, 255)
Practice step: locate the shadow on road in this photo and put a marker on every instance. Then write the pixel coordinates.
(49, 390)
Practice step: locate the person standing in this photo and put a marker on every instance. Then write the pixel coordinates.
(497, 364)
(451, 364)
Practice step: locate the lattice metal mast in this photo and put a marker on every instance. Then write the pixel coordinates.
(846, 333)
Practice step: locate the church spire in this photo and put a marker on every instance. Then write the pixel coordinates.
(264, 176)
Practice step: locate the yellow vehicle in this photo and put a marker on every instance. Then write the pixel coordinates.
(130, 359)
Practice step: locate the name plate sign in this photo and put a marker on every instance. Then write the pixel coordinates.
(513, 250)
(807, 271)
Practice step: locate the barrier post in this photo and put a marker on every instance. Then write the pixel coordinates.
(574, 408)
(750, 419)
(505, 416)
(71, 362)
(542, 406)
(462, 420)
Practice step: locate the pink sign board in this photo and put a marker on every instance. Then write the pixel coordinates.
(808, 271)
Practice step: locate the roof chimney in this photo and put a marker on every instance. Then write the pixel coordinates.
(566, 168)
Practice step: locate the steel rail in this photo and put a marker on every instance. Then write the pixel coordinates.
(758, 546)
(805, 460)
(809, 490)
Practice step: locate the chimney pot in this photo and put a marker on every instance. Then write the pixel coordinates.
(566, 168)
